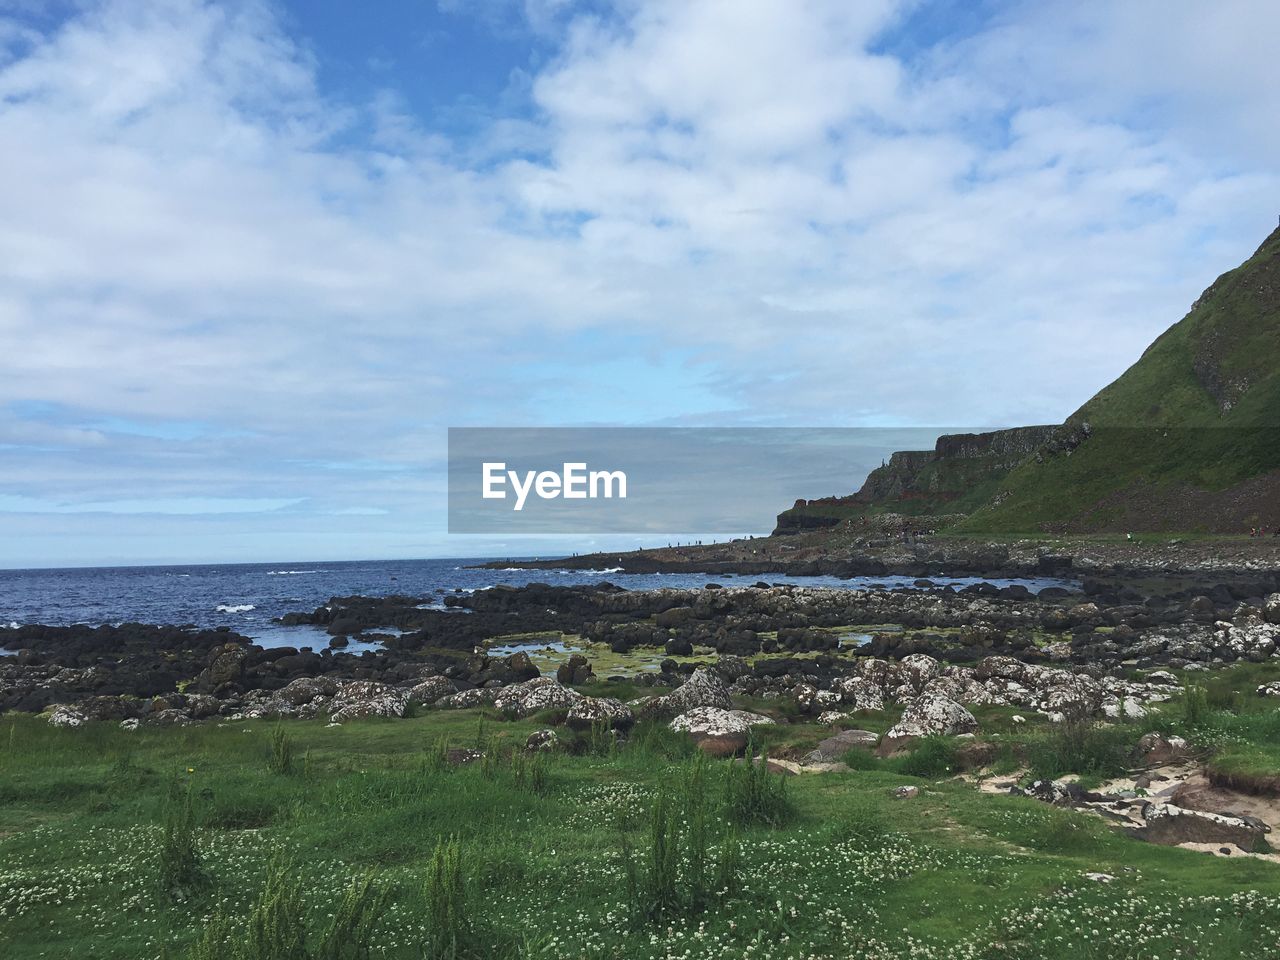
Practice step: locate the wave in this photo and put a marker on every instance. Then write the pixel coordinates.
(14, 624)
(289, 573)
(234, 607)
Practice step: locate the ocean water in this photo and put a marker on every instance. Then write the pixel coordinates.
(249, 597)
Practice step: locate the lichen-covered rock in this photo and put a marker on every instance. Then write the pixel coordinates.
(1271, 689)
(928, 715)
(1002, 668)
(1172, 825)
(430, 690)
(545, 740)
(859, 693)
(717, 731)
(366, 698)
(64, 715)
(469, 699)
(306, 690)
(588, 712)
(703, 689)
(959, 685)
(919, 669)
(528, 698)
(1271, 609)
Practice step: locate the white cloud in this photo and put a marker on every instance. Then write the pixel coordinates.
(820, 230)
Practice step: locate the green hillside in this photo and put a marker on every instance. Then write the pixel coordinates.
(1188, 438)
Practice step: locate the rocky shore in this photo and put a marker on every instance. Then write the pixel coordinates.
(1103, 651)
(892, 545)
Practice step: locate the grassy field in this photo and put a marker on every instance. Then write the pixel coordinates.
(302, 840)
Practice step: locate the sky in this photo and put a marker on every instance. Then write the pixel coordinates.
(256, 257)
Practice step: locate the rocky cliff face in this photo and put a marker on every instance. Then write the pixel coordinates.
(1187, 439)
(925, 482)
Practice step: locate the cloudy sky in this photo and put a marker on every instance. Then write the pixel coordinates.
(256, 257)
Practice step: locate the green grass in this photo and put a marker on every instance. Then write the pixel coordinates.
(529, 863)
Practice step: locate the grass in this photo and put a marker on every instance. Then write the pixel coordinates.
(377, 847)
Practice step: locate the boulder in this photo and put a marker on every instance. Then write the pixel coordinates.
(468, 699)
(532, 696)
(305, 690)
(1154, 749)
(859, 693)
(545, 740)
(1171, 825)
(835, 747)
(589, 712)
(1271, 609)
(703, 689)
(65, 715)
(367, 698)
(225, 667)
(430, 690)
(930, 714)
(575, 670)
(717, 731)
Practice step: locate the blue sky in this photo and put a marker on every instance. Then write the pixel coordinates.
(259, 256)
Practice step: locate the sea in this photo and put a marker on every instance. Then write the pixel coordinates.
(251, 597)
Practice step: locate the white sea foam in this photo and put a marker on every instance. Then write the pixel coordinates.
(234, 607)
(14, 624)
(289, 573)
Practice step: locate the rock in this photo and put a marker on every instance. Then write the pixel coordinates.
(930, 715)
(906, 793)
(675, 617)
(543, 693)
(1171, 825)
(200, 706)
(64, 715)
(1271, 689)
(1154, 749)
(703, 689)
(831, 717)
(1049, 791)
(859, 693)
(1271, 609)
(367, 698)
(717, 731)
(468, 699)
(833, 748)
(431, 690)
(306, 690)
(920, 668)
(226, 666)
(543, 741)
(130, 724)
(575, 670)
(589, 712)
(1069, 696)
